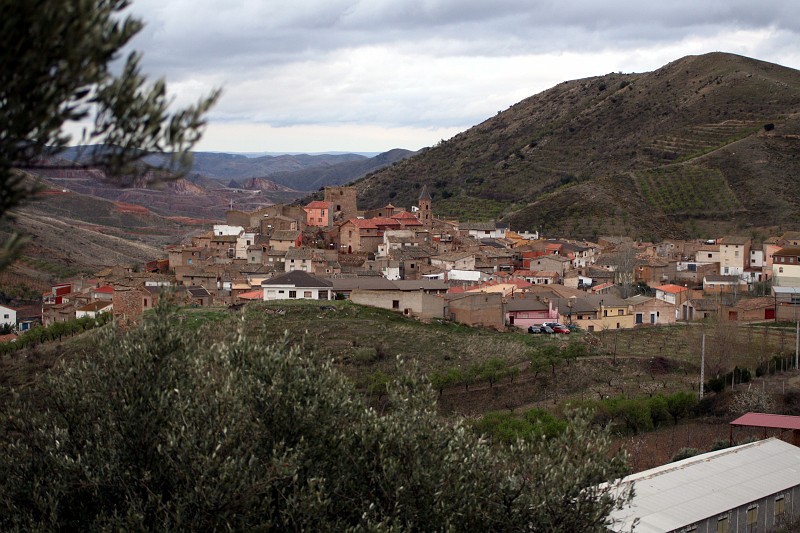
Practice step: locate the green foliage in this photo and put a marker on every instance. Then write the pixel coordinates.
(164, 431)
(55, 67)
(364, 355)
(684, 453)
(680, 404)
(56, 331)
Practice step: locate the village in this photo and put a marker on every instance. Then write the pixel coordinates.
(410, 261)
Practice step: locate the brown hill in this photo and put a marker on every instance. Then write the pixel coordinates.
(263, 184)
(704, 144)
(195, 196)
(72, 234)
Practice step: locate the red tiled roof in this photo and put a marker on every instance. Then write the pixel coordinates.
(762, 420)
(373, 223)
(519, 283)
(318, 204)
(252, 295)
(105, 289)
(536, 273)
(671, 288)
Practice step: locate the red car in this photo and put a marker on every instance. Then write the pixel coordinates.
(558, 328)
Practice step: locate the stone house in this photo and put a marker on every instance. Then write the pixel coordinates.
(699, 309)
(282, 240)
(364, 235)
(417, 304)
(553, 263)
(476, 309)
(750, 309)
(715, 284)
(299, 259)
(454, 261)
(651, 311)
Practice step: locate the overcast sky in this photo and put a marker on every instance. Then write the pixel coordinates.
(371, 75)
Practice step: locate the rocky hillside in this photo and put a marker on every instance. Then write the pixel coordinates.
(705, 144)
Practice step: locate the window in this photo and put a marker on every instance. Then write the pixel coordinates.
(395, 304)
(722, 525)
(736, 253)
(779, 507)
(709, 256)
(752, 515)
(306, 294)
(780, 270)
(726, 270)
(620, 312)
(5, 316)
(617, 325)
(292, 294)
(639, 318)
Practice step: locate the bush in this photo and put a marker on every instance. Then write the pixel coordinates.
(164, 431)
(684, 453)
(364, 355)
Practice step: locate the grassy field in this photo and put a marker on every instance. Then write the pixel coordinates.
(367, 342)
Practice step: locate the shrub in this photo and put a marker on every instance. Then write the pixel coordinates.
(164, 431)
(684, 453)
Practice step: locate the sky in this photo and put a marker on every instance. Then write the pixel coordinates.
(372, 75)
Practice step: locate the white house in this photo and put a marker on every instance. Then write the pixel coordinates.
(225, 229)
(94, 309)
(297, 285)
(484, 230)
(8, 316)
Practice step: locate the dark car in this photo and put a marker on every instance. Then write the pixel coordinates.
(534, 329)
(557, 327)
(547, 329)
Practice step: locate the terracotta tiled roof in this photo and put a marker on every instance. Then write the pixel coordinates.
(105, 289)
(252, 295)
(318, 204)
(671, 288)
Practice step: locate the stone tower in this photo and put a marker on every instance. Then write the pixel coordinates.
(343, 200)
(425, 215)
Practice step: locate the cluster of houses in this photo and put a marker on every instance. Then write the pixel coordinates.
(412, 262)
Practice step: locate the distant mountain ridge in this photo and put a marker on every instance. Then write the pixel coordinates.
(703, 145)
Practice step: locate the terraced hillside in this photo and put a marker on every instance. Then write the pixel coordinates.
(688, 191)
(706, 144)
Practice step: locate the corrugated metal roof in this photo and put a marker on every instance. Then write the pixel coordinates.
(762, 420)
(689, 491)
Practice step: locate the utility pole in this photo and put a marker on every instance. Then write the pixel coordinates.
(702, 364)
(796, 342)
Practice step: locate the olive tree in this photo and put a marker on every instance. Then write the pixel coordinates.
(57, 66)
(163, 430)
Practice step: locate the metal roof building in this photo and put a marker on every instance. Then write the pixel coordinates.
(752, 487)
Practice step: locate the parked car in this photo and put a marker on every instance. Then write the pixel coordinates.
(547, 329)
(534, 329)
(557, 327)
